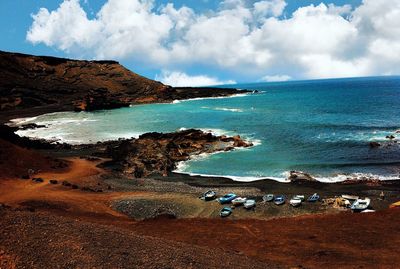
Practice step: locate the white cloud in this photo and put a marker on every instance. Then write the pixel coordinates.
(240, 37)
(180, 79)
(275, 78)
(65, 28)
(269, 8)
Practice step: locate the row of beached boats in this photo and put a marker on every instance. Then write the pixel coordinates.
(295, 201)
(357, 205)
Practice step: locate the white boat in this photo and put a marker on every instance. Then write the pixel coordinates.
(295, 201)
(249, 204)
(209, 195)
(360, 205)
(268, 197)
(350, 197)
(301, 197)
(368, 211)
(239, 201)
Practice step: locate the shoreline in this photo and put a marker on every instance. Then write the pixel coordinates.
(340, 178)
(359, 177)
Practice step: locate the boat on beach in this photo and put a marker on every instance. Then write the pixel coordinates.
(295, 201)
(209, 195)
(268, 197)
(250, 203)
(225, 212)
(279, 200)
(313, 198)
(360, 205)
(227, 198)
(239, 201)
(350, 197)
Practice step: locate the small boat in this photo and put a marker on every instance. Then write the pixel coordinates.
(368, 211)
(227, 198)
(360, 205)
(239, 201)
(295, 201)
(268, 197)
(209, 195)
(249, 204)
(225, 212)
(301, 197)
(350, 197)
(313, 198)
(279, 200)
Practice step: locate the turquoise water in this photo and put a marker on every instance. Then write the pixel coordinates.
(322, 127)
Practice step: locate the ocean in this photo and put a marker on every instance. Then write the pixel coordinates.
(322, 127)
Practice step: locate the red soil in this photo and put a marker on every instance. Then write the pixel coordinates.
(15, 161)
(326, 241)
(73, 222)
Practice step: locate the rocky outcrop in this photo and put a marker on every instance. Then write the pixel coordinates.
(59, 84)
(158, 154)
(374, 144)
(298, 176)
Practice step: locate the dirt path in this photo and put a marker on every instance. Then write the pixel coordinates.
(17, 192)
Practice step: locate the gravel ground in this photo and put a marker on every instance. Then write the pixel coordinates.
(39, 240)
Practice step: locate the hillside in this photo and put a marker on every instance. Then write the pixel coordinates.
(46, 84)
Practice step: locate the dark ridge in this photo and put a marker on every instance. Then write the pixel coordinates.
(32, 85)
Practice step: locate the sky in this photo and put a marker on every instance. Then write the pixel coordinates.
(206, 42)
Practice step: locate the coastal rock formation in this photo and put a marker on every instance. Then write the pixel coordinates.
(298, 176)
(57, 84)
(374, 144)
(158, 154)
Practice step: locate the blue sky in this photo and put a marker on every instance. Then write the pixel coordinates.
(205, 42)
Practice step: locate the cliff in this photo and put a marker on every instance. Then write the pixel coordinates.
(47, 84)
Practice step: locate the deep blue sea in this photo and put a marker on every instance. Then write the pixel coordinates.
(322, 127)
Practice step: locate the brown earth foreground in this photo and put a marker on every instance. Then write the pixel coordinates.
(53, 226)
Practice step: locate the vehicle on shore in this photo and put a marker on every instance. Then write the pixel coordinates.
(360, 205)
(268, 197)
(250, 203)
(313, 198)
(239, 201)
(227, 198)
(225, 212)
(279, 200)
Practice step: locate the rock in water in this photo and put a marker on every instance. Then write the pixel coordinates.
(298, 176)
(374, 145)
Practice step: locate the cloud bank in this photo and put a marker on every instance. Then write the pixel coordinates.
(250, 39)
(180, 79)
